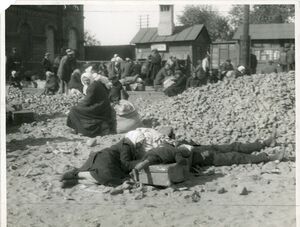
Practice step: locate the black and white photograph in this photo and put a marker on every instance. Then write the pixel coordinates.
(149, 113)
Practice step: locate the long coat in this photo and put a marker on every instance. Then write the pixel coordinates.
(66, 67)
(111, 166)
(155, 66)
(92, 116)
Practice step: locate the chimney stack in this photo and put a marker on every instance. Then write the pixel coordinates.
(166, 20)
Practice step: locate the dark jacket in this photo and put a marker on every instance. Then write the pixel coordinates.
(160, 76)
(92, 116)
(66, 67)
(115, 92)
(193, 82)
(111, 166)
(126, 69)
(47, 65)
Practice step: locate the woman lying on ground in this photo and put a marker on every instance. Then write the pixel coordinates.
(92, 116)
(110, 166)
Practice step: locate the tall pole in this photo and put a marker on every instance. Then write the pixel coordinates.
(245, 40)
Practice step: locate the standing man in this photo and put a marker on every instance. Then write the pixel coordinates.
(205, 66)
(47, 65)
(155, 66)
(253, 63)
(13, 62)
(126, 68)
(65, 69)
(290, 57)
(283, 60)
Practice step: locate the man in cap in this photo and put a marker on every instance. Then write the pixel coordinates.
(225, 68)
(126, 68)
(14, 62)
(47, 65)
(290, 57)
(65, 69)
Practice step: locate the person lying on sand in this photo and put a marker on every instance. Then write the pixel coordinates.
(208, 155)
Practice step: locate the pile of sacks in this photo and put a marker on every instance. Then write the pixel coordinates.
(41, 104)
(236, 110)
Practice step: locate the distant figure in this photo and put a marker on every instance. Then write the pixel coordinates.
(193, 81)
(283, 60)
(269, 68)
(15, 79)
(290, 55)
(136, 68)
(253, 63)
(47, 65)
(114, 68)
(56, 61)
(179, 85)
(240, 71)
(200, 73)
(160, 77)
(155, 65)
(225, 68)
(75, 82)
(13, 62)
(66, 67)
(126, 68)
(52, 84)
(205, 64)
(117, 91)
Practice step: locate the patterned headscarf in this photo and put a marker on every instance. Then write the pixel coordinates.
(135, 137)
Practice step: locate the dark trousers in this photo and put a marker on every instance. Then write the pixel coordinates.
(228, 154)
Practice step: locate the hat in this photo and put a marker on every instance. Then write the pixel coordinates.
(70, 51)
(49, 73)
(241, 68)
(127, 59)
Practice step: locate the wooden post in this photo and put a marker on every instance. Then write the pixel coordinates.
(245, 40)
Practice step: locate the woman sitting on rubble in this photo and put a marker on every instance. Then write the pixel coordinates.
(52, 84)
(92, 116)
(179, 85)
(75, 84)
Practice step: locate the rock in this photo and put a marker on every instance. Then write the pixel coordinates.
(222, 191)
(91, 142)
(243, 191)
(196, 197)
(116, 191)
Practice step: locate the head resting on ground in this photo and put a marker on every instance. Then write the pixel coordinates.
(167, 131)
(136, 137)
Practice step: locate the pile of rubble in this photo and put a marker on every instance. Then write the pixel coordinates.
(243, 109)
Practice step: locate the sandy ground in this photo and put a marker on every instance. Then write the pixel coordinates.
(37, 155)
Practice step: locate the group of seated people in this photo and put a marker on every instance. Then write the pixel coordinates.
(146, 146)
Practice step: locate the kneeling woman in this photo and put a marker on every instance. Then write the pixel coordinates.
(92, 116)
(110, 166)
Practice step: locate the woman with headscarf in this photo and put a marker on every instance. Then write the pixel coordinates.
(75, 82)
(179, 85)
(110, 166)
(92, 116)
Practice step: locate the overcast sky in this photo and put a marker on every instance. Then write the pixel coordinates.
(115, 24)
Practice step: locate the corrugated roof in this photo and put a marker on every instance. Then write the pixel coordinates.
(268, 31)
(149, 35)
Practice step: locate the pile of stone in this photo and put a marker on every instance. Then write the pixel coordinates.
(243, 109)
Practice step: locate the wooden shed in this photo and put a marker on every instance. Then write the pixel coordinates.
(268, 40)
(184, 43)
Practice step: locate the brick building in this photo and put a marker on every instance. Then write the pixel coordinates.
(36, 29)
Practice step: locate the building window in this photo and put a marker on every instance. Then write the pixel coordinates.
(25, 41)
(164, 8)
(50, 42)
(72, 39)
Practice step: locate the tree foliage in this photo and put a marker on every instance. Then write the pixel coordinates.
(90, 39)
(216, 24)
(262, 14)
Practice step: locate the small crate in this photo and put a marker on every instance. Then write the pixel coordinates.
(164, 174)
(22, 116)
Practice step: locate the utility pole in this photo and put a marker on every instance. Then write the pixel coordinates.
(245, 40)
